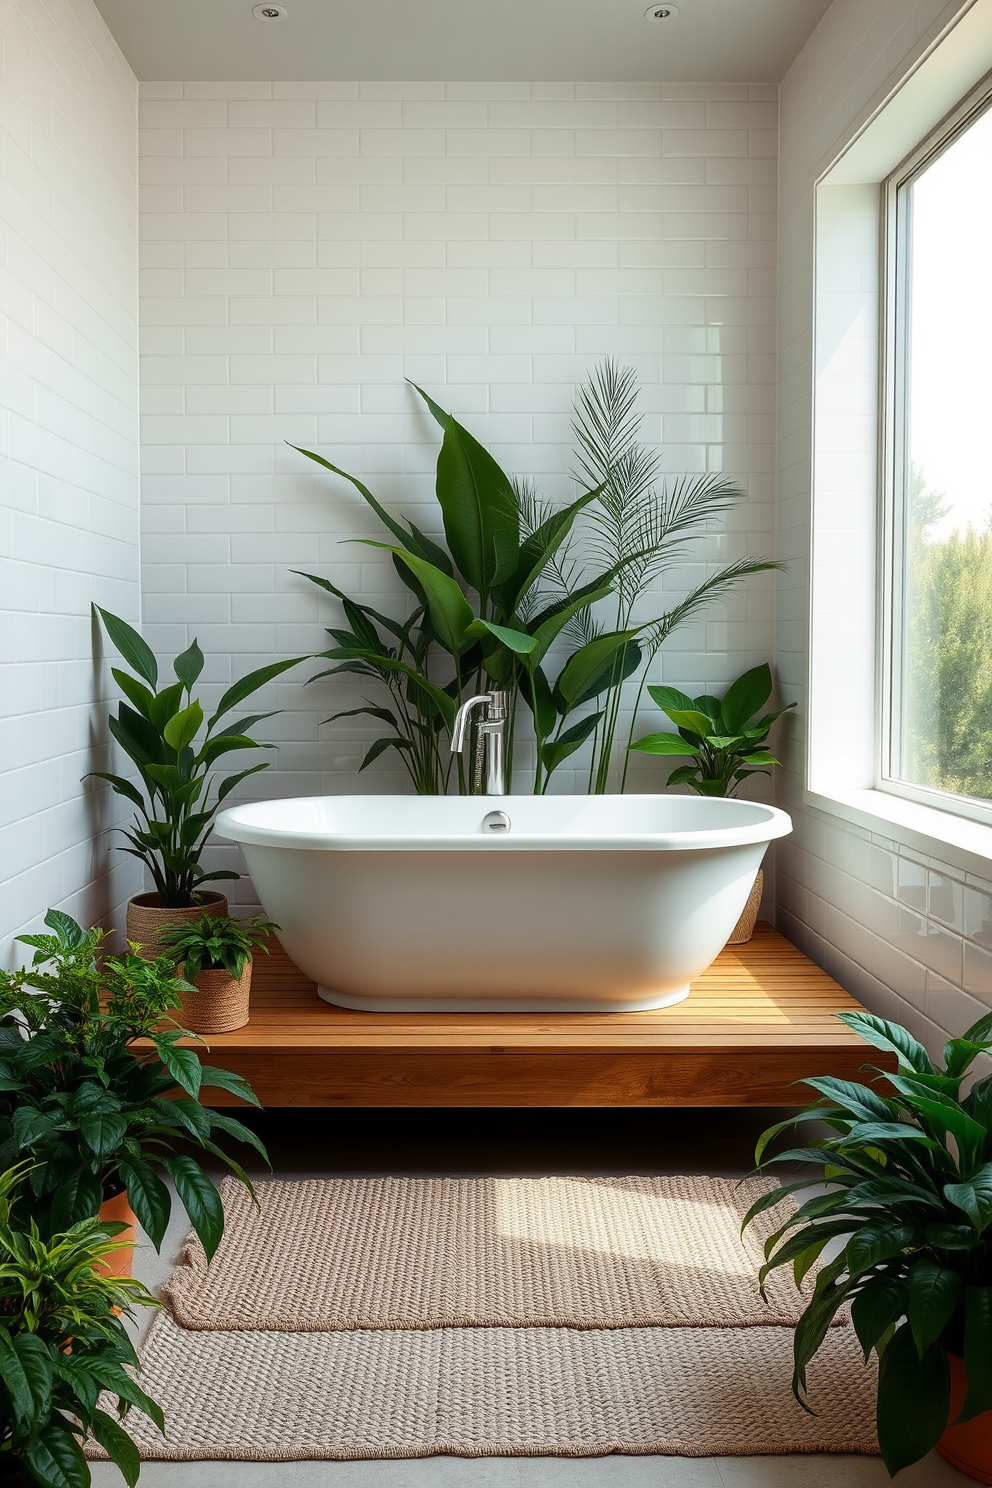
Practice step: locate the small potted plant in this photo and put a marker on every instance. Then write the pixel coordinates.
(62, 1338)
(726, 740)
(902, 1192)
(164, 732)
(97, 1092)
(214, 953)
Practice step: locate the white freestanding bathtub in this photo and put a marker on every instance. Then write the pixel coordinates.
(495, 903)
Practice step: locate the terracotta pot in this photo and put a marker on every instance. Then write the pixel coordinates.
(220, 1002)
(147, 918)
(118, 1208)
(967, 1446)
(744, 928)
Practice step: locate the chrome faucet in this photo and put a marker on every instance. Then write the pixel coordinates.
(490, 731)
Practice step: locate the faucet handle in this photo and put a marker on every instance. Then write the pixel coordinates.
(460, 726)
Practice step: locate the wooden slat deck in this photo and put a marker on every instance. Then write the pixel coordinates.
(759, 1019)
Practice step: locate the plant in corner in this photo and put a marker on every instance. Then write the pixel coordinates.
(174, 747)
(97, 1092)
(215, 955)
(63, 1340)
(903, 1192)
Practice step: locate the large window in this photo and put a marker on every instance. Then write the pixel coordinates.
(937, 661)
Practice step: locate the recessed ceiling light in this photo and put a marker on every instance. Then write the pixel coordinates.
(661, 12)
(269, 12)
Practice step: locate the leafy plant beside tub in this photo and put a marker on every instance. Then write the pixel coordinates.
(174, 747)
(520, 581)
(63, 1339)
(903, 1186)
(725, 738)
(215, 955)
(90, 1063)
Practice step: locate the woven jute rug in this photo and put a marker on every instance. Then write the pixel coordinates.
(337, 1254)
(497, 1392)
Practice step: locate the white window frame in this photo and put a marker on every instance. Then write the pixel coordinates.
(894, 294)
(846, 580)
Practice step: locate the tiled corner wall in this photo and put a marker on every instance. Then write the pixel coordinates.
(910, 934)
(68, 447)
(307, 247)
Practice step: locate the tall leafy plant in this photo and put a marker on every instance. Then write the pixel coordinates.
(97, 1091)
(902, 1191)
(174, 747)
(506, 594)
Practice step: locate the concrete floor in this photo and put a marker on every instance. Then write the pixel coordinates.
(465, 1143)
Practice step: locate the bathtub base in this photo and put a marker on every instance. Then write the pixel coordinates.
(499, 1004)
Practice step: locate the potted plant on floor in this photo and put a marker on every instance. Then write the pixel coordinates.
(903, 1186)
(97, 1092)
(63, 1339)
(174, 748)
(727, 741)
(215, 955)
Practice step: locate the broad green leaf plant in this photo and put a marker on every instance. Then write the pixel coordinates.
(902, 1192)
(97, 1092)
(725, 738)
(64, 1341)
(216, 943)
(165, 733)
(519, 581)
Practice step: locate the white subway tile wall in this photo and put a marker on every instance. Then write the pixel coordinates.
(68, 449)
(908, 934)
(309, 248)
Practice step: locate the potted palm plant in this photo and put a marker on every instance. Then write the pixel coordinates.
(902, 1193)
(726, 740)
(215, 956)
(97, 1091)
(174, 747)
(63, 1339)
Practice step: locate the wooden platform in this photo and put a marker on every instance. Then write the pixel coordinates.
(761, 1018)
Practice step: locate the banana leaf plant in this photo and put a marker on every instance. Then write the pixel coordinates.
(63, 1343)
(161, 730)
(97, 1093)
(726, 738)
(902, 1191)
(490, 603)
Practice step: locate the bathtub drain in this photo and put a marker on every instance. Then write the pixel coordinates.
(496, 821)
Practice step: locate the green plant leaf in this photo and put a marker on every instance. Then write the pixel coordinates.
(77, 1197)
(450, 611)
(148, 1197)
(102, 1133)
(665, 744)
(478, 507)
(586, 665)
(881, 1302)
(876, 1241)
(670, 697)
(56, 1459)
(974, 1197)
(891, 1037)
(744, 698)
(134, 650)
(934, 1293)
(26, 1371)
(538, 549)
(199, 1198)
(135, 692)
(250, 683)
(182, 729)
(222, 1079)
(118, 1446)
(913, 1400)
(379, 747)
(183, 1065)
(517, 641)
(409, 540)
(977, 1351)
(691, 721)
(557, 750)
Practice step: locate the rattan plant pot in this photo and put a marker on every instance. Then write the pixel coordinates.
(744, 928)
(219, 1004)
(147, 918)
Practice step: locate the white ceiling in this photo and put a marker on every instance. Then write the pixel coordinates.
(751, 41)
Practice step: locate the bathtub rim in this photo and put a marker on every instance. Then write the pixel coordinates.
(230, 825)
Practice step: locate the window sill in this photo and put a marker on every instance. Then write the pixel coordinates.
(954, 840)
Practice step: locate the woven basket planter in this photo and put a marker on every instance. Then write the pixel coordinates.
(744, 928)
(147, 918)
(219, 1004)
